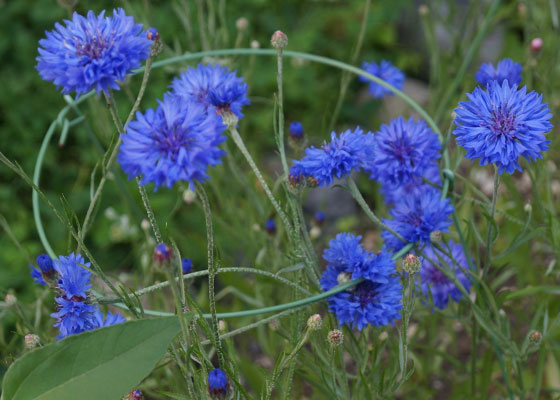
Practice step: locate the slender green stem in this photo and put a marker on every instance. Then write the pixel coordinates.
(149, 211)
(490, 225)
(346, 76)
(281, 144)
(362, 202)
(241, 145)
(212, 269)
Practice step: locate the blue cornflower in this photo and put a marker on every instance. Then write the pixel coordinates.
(404, 150)
(73, 279)
(393, 193)
(385, 71)
(176, 142)
(415, 217)
(162, 252)
(296, 130)
(506, 69)
(186, 264)
(501, 124)
(93, 52)
(378, 299)
(45, 270)
(217, 382)
(213, 86)
(73, 317)
(435, 282)
(349, 151)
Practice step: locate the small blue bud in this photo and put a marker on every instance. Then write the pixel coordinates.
(296, 130)
(270, 226)
(187, 265)
(162, 252)
(153, 34)
(217, 382)
(45, 263)
(319, 217)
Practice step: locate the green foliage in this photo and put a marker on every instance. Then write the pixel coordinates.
(102, 364)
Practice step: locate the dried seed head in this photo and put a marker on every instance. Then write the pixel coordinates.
(535, 338)
(411, 264)
(241, 24)
(32, 341)
(279, 40)
(314, 322)
(335, 337)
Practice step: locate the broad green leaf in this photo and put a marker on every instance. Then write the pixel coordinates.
(101, 364)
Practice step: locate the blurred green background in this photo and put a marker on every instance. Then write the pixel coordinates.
(429, 46)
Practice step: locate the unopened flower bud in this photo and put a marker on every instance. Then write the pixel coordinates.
(536, 45)
(435, 236)
(527, 207)
(314, 322)
(535, 338)
(319, 217)
(279, 40)
(411, 264)
(255, 44)
(423, 10)
(241, 24)
(335, 337)
(134, 395)
(10, 300)
(153, 34)
(522, 10)
(162, 252)
(189, 196)
(274, 324)
(270, 226)
(186, 265)
(315, 232)
(222, 326)
(217, 383)
(343, 277)
(32, 341)
(296, 130)
(145, 224)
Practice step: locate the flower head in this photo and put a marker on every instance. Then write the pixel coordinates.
(92, 52)
(404, 151)
(506, 70)
(501, 124)
(415, 217)
(336, 159)
(377, 300)
(393, 193)
(73, 317)
(73, 279)
(214, 87)
(434, 282)
(296, 130)
(176, 142)
(217, 382)
(385, 71)
(186, 265)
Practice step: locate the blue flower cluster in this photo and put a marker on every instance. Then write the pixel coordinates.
(501, 124)
(385, 71)
(179, 140)
(506, 70)
(434, 283)
(92, 52)
(378, 299)
(75, 313)
(336, 159)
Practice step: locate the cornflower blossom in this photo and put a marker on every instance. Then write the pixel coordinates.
(434, 283)
(92, 52)
(506, 69)
(213, 86)
(375, 301)
(385, 71)
(404, 150)
(501, 124)
(344, 153)
(177, 141)
(415, 217)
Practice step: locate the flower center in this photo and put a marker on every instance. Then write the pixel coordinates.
(503, 123)
(436, 276)
(366, 292)
(171, 143)
(401, 150)
(93, 46)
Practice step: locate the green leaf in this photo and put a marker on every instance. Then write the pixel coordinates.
(101, 364)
